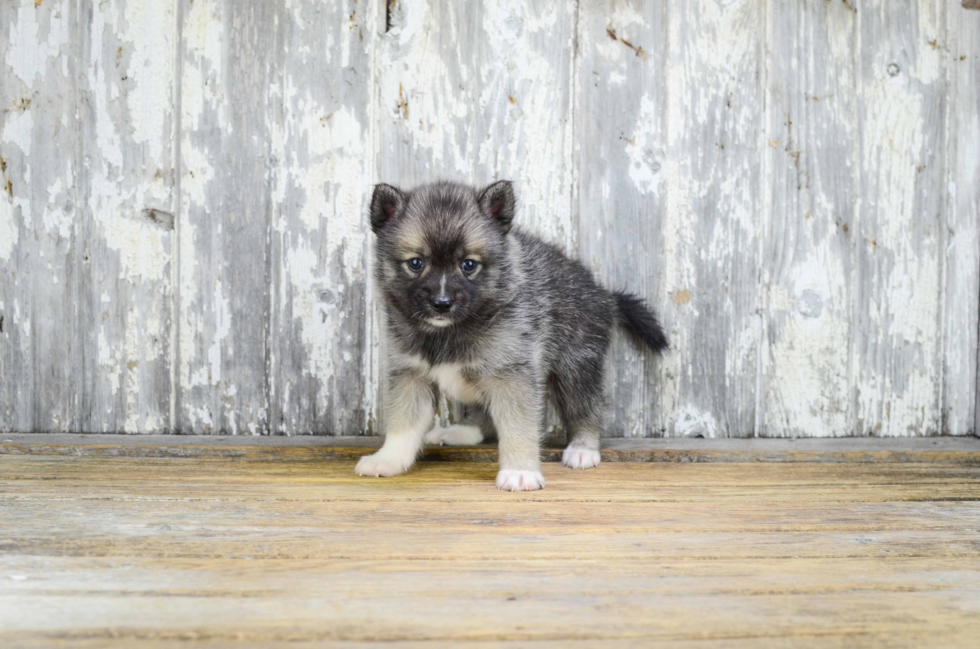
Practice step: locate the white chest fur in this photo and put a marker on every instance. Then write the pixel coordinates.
(453, 384)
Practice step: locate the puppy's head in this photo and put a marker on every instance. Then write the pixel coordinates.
(442, 253)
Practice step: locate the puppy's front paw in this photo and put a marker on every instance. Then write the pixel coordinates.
(579, 457)
(511, 480)
(454, 436)
(382, 465)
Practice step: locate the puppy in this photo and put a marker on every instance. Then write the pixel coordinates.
(494, 317)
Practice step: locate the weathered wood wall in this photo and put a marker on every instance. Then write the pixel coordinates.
(795, 184)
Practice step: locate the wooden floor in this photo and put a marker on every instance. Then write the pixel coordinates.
(223, 551)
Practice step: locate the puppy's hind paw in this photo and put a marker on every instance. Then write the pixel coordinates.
(454, 436)
(579, 457)
(511, 480)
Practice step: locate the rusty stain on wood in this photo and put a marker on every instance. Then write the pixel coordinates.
(681, 297)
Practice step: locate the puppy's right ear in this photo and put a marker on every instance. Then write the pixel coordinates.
(385, 205)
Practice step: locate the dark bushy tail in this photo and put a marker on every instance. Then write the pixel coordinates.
(640, 320)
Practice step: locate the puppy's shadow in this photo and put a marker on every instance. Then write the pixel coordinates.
(463, 471)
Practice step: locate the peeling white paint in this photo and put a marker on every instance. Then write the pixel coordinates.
(896, 393)
(150, 72)
(203, 35)
(528, 86)
(691, 422)
(644, 159)
(222, 314)
(18, 129)
(109, 361)
(57, 219)
(30, 50)
(319, 323)
(450, 93)
(143, 250)
(813, 397)
(9, 230)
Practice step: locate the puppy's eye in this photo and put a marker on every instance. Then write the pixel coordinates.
(416, 264)
(468, 266)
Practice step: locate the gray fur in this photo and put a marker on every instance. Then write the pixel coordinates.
(527, 320)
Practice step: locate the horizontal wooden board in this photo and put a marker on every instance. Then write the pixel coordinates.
(944, 450)
(175, 552)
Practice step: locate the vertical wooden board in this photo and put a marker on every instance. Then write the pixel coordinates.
(38, 213)
(124, 240)
(714, 135)
(481, 92)
(228, 57)
(899, 238)
(962, 52)
(321, 236)
(620, 135)
(810, 189)
(478, 92)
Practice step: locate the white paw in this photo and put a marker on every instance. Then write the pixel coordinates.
(454, 436)
(383, 465)
(579, 457)
(511, 480)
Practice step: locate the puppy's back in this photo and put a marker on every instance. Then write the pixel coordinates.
(579, 312)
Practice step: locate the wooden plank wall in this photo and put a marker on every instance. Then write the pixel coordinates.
(794, 185)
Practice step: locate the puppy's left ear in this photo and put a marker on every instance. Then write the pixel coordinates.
(497, 200)
(386, 202)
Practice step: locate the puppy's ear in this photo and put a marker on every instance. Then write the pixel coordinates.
(385, 205)
(497, 200)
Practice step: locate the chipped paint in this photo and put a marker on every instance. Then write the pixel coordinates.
(800, 204)
(33, 44)
(527, 60)
(645, 163)
(9, 230)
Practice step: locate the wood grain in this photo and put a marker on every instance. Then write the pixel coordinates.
(183, 551)
(621, 120)
(324, 150)
(898, 228)
(808, 253)
(39, 215)
(962, 277)
(124, 229)
(714, 153)
(228, 73)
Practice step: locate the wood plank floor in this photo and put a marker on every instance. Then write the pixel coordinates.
(147, 551)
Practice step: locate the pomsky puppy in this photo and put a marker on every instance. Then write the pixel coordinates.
(495, 317)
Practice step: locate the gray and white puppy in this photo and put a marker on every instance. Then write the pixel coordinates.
(494, 317)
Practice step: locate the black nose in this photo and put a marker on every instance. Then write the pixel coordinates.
(442, 303)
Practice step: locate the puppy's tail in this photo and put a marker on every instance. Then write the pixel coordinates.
(641, 321)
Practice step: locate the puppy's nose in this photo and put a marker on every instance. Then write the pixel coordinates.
(442, 303)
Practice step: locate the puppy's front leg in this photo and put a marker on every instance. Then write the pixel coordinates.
(515, 406)
(410, 413)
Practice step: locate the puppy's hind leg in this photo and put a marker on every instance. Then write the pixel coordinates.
(582, 451)
(455, 435)
(474, 430)
(581, 401)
